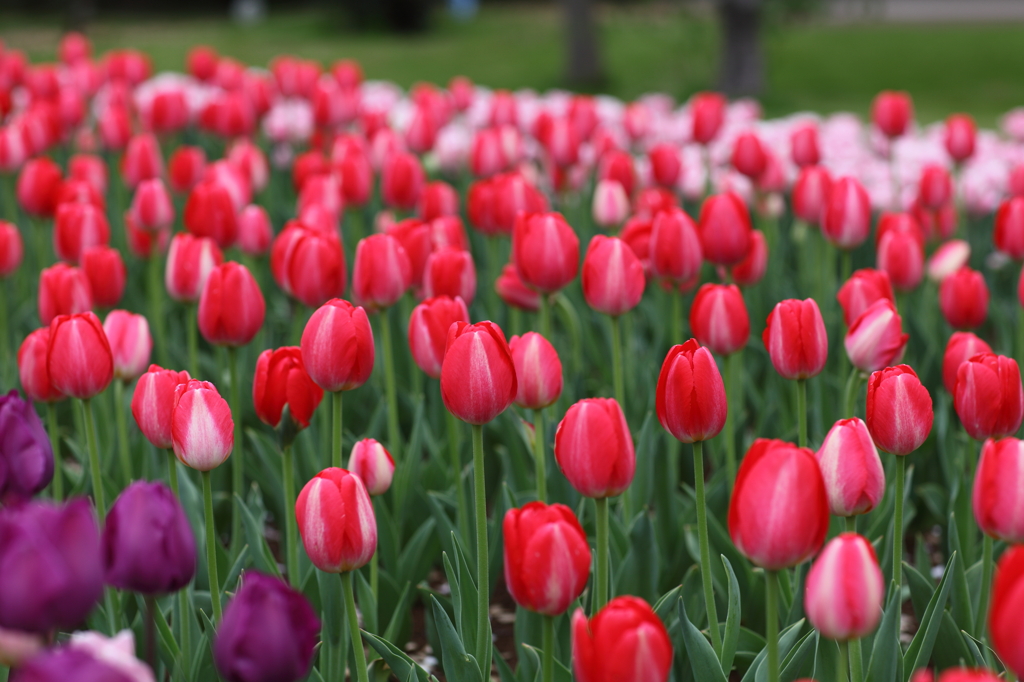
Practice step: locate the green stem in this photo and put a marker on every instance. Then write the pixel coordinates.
(771, 630)
(238, 454)
(483, 630)
(897, 540)
(211, 546)
(846, 266)
(192, 321)
(678, 324)
(539, 459)
(53, 428)
(852, 391)
(545, 317)
(353, 627)
(112, 609)
(156, 304)
(394, 435)
(986, 586)
(801, 409)
(850, 524)
(843, 664)
(291, 531)
(460, 490)
(705, 548)
(618, 375)
(94, 460)
(374, 575)
(336, 454)
(549, 649)
(730, 417)
(122, 431)
(856, 662)
(172, 469)
(601, 570)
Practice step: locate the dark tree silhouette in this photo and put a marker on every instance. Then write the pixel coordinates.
(584, 65)
(741, 69)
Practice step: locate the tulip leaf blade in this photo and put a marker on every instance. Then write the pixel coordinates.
(758, 670)
(236, 569)
(794, 665)
(401, 609)
(963, 612)
(920, 649)
(458, 665)
(703, 661)
(885, 653)
(400, 663)
(367, 602)
(562, 673)
(262, 555)
(731, 636)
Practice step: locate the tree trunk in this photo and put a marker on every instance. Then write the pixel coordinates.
(742, 60)
(584, 66)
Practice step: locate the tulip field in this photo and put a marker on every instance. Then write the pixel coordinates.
(314, 378)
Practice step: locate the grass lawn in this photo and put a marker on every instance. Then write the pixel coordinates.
(812, 65)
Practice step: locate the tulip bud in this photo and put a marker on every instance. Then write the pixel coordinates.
(11, 249)
(988, 396)
(231, 308)
(960, 135)
(32, 372)
(610, 207)
(308, 265)
(545, 251)
(846, 216)
(402, 181)
(281, 380)
(254, 230)
(190, 260)
(153, 404)
(269, 632)
(52, 565)
(79, 360)
(478, 375)
(63, 290)
(337, 346)
(142, 160)
(210, 212)
(751, 269)
(336, 521)
(414, 236)
(372, 463)
(428, 331)
(845, 591)
(803, 145)
(935, 188)
(691, 401)
(151, 206)
(618, 165)
(675, 247)
(748, 155)
(863, 289)
(724, 229)
(202, 428)
(1009, 228)
(810, 194)
(707, 110)
(438, 199)
(547, 558)
(37, 187)
(876, 339)
(76, 228)
(718, 318)
(514, 292)
(778, 514)
(666, 165)
(997, 498)
(851, 468)
(148, 545)
(130, 343)
(1004, 612)
(594, 448)
(963, 299)
(26, 457)
(901, 256)
(186, 168)
(624, 642)
(891, 112)
(538, 371)
(899, 410)
(382, 271)
(450, 272)
(796, 339)
(962, 346)
(947, 259)
(71, 662)
(106, 273)
(613, 277)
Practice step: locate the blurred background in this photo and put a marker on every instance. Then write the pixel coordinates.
(821, 55)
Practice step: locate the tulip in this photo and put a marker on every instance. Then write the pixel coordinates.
(751, 269)
(281, 380)
(190, 260)
(63, 290)
(373, 464)
(707, 110)
(414, 236)
(675, 247)
(796, 340)
(37, 187)
(210, 212)
(901, 256)
(32, 372)
(997, 498)
(478, 376)
(718, 318)
(935, 188)
(666, 165)
(11, 249)
(851, 469)
(594, 448)
(254, 231)
(613, 277)
(402, 181)
(336, 521)
(724, 229)
(428, 331)
(79, 359)
(514, 292)
(436, 200)
(450, 272)
(876, 339)
(106, 273)
(26, 456)
(130, 343)
(864, 288)
(337, 346)
(545, 251)
(1009, 228)
(52, 564)
(748, 155)
(231, 307)
(547, 558)
(960, 135)
(148, 546)
(151, 206)
(891, 112)
(186, 168)
(382, 271)
(846, 215)
(142, 160)
(691, 401)
(962, 346)
(72, 663)
(1004, 617)
(269, 633)
(145, 245)
(202, 428)
(810, 194)
(77, 227)
(610, 206)
(625, 641)
(118, 652)
(803, 145)
(963, 299)
(988, 397)
(153, 405)
(844, 594)
(538, 371)
(947, 259)
(308, 265)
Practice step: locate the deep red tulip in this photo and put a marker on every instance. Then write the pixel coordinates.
(613, 277)
(892, 112)
(337, 346)
(846, 216)
(899, 411)
(79, 360)
(810, 194)
(76, 228)
(153, 404)
(960, 137)
(864, 288)
(307, 264)
(202, 428)
(724, 229)
(751, 269)
(1009, 228)
(63, 290)
(707, 110)
(718, 318)
(691, 401)
(803, 145)
(514, 292)
(624, 642)
(130, 343)
(851, 468)
(988, 398)
(190, 260)
(876, 339)
(675, 248)
(231, 308)
(32, 371)
(845, 592)
(545, 251)
(538, 371)
(37, 187)
(748, 155)
(428, 331)
(336, 521)
(381, 273)
(450, 272)
(666, 164)
(962, 346)
(778, 515)
(963, 299)
(281, 381)
(594, 448)
(478, 375)
(796, 339)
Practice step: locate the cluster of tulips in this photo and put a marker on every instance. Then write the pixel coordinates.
(281, 182)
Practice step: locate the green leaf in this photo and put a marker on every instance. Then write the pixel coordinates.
(397, 660)
(458, 665)
(262, 556)
(963, 613)
(950, 648)
(367, 602)
(703, 660)
(799, 662)
(885, 653)
(731, 636)
(504, 671)
(758, 669)
(562, 674)
(398, 615)
(826, 660)
(236, 569)
(920, 649)
(638, 572)
(410, 560)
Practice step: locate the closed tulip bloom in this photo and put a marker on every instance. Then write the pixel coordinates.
(106, 273)
(26, 458)
(370, 461)
(77, 227)
(846, 216)
(210, 212)
(901, 256)
(963, 299)
(998, 499)
(610, 207)
(428, 330)
(437, 199)
(382, 271)
(63, 290)
(891, 112)
(851, 468)
(960, 136)
(190, 260)
(751, 269)
(718, 318)
(336, 521)
(143, 244)
(707, 110)
(899, 411)
(514, 292)
(151, 206)
(308, 265)
(71, 663)
(447, 231)
(32, 372)
(613, 277)
(37, 187)
(962, 346)
(988, 396)
(861, 291)
(337, 346)
(79, 359)
(547, 558)
(281, 381)
(11, 249)
(666, 164)
(1004, 614)
(186, 168)
(796, 339)
(963, 675)
(254, 230)
(202, 428)
(778, 514)
(845, 591)
(478, 375)
(876, 339)
(538, 371)
(130, 343)
(153, 404)
(142, 160)
(268, 634)
(414, 236)
(450, 272)
(594, 448)
(1009, 228)
(545, 251)
(52, 565)
(803, 145)
(675, 246)
(402, 181)
(748, 155)
(947, 259)
(624, 642)
(691, 401)
(935, 187)
(724, 229)
(148, 546)
(231, 308)
(810, 194)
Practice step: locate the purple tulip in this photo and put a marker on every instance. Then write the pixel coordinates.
(148, 546)
(268, 633)
(51, 564)
(26, 458)
(68, 665)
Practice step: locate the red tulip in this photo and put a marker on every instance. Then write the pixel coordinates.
(77, 227)
(514, 194)
(372, 463)
(336, 521)
(202, 428)
(963, 299)
(846, 216)
(935, 188)
(851, 468)
(691, 401)
(63, 290)
(231, 308)
(892, 112)
(960, 136)
(447, 231)
(382, 272)
(142, 160)
(708, 112)
(210, 212)
(545, 251)
(151, 206)
(613, 277)
(1004, 614)
(153, 404)
(666, 164)
(514, 292)
(37, 187)
(414, 236)
(947, 259)
(748, 155)
(675, 247)
(876, 339)
(594, 448)
(107, 275)
(281, 381)
(143, 244)
(538, 371)
(90, 169)
(653, 200)
(803, 145)
(486, 154)
(718, 318)
(751, 269)
(254, 231)
(845, 592)
(450, 272)
(962, 346)
(190, 260)
(988, 398)
(725, 229)
(547, 558)
(998, 499)
(11, 249)
(1014, 184)
(810, 194)
(428, 330)
(73, 191)
(778, 515)
(402, 181)
(624, 642)
(478, 375)
(610, 206)
(796, 339)
(337, 346)
(863, 289)
(307, 264)
(130, 343)
(32, 371)
(79, 360)
(1009, 228)
(186, 168)
(899, 410)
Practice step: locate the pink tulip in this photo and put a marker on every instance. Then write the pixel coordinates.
(851, 468)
